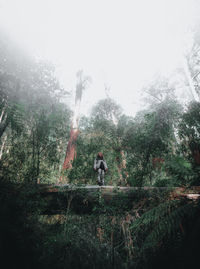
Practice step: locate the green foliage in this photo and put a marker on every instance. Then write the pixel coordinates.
(140, 229)
(106, 109)
(180, 169)
(72, 245)
(158, 230)
(34, 123)
(35, 128)
(156, 226)
(189, 129)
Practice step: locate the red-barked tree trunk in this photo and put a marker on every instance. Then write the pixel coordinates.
(71, 146)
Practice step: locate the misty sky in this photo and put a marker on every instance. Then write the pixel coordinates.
(119, 43)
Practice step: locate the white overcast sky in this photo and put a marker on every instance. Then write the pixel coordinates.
(120, 43)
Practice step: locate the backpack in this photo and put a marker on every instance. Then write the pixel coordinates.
(102, 167)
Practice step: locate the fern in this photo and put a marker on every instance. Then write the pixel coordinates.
(161, 228)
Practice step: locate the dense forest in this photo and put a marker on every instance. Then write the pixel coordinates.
(158, 147)
(43, 140)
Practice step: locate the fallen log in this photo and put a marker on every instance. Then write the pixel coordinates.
(84, 199)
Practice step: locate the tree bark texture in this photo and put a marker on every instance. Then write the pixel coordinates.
(71, 149)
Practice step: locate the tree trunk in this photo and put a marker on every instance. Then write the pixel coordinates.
(3, 146)
(193, 92)
(196, 156)
(71, 146)
(3, 126)
(2, 114)
(38, 166)
(71, 150)
(33, 156)
(121, 164)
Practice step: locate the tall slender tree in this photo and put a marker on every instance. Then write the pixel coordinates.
(82, 83)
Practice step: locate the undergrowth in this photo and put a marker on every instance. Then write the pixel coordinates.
(141, 230)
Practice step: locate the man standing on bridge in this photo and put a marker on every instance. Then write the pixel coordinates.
(100, 166)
